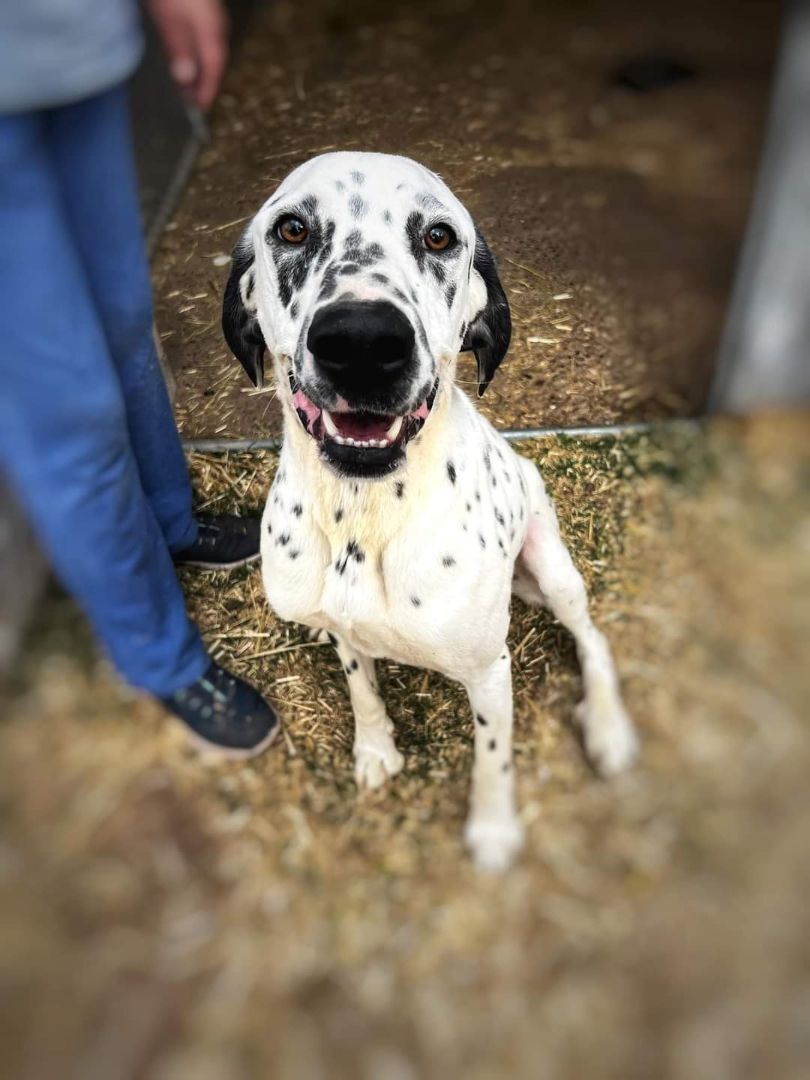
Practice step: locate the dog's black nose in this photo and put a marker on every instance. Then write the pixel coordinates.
(361, 344)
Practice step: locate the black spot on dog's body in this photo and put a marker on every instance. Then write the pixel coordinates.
(448, 560)
(298, 510)
(339, 185)
(269, 529)
(354, 551)
(480, 720)
(283, 539)
(381, 279)
(294, 309)
(358, 177)
(400, 489)
(468, 507)
(348, 268)
(487, 460)
(482, 541)
(451, 472)
(387, 217)
(492, 744)
(500, 518)
(338, 515)
(505, 767)
(450, 294)
(416, 601)
(294, 554)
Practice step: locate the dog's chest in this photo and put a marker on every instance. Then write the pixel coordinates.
(423, 581)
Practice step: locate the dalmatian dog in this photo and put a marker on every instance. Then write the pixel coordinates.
(399, 521)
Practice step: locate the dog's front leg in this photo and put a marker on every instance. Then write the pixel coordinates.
(493, 832)
(376, 757)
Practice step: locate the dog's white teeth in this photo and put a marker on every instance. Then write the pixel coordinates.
(329, 423)
(394, 430)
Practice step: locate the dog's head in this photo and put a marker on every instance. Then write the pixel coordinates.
(363, 277)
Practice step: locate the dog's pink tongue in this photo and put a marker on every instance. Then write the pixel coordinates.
(307, 407)
(361, 426)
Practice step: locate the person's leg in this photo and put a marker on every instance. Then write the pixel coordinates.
(63, 431)
(91, 146)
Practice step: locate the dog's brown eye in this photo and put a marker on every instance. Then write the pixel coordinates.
(440, 237)
(292, 230)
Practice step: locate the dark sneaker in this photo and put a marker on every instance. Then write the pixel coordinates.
(224, 713)
(223, 541)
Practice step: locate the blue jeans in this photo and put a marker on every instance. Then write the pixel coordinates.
(87, 435)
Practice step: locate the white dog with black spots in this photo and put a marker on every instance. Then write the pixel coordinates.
(399, 521)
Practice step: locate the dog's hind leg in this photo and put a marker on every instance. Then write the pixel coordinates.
(493, 832)
(376, 757)
(545, 573)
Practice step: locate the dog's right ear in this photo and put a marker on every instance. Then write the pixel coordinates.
(240, 322)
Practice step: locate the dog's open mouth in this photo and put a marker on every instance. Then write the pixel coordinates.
(361, 443)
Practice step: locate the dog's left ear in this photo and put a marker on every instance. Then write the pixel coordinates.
(240, 322)
(489, 325)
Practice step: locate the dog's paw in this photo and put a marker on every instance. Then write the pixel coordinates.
(494, 842)
(375, 761)
(608, 733)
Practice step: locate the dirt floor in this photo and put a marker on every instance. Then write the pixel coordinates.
(616, 215)
(167, 918)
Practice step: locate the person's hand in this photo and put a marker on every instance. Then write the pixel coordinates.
(195, 36)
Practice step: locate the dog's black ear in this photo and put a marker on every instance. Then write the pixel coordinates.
(490, 329)
(240, 323)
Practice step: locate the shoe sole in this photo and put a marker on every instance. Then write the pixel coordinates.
(218, 566)
(227, 753)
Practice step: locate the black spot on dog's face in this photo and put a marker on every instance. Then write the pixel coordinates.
(294, 261)
(358, 177)
(358, 207)
(415, 231)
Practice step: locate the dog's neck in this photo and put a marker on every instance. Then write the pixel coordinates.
(369, 512)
